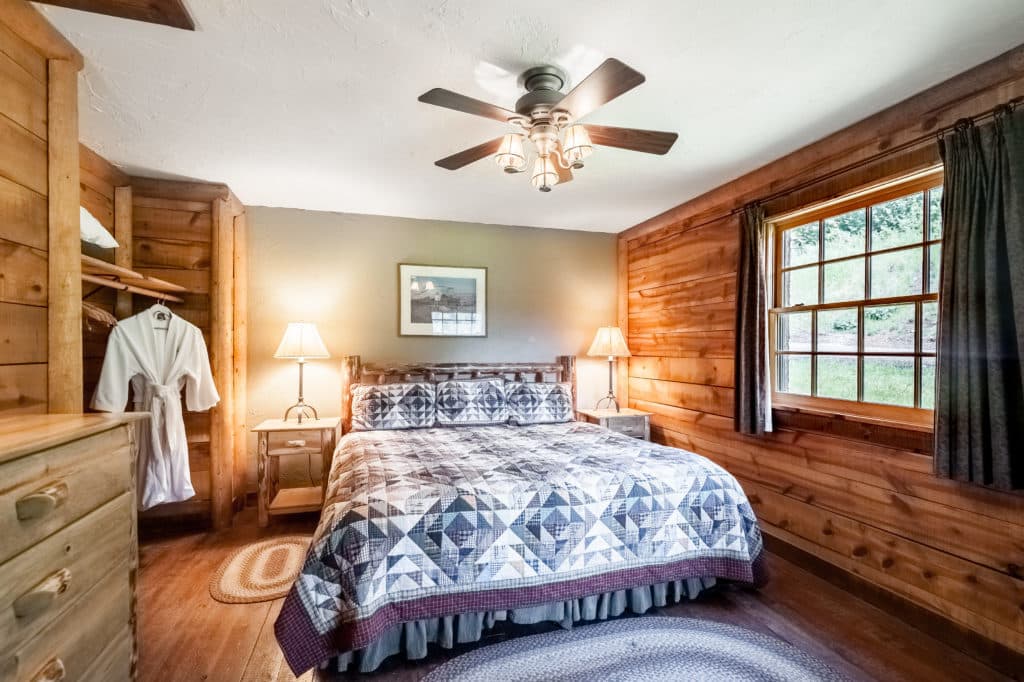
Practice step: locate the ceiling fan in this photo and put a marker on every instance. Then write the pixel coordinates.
(550, 118)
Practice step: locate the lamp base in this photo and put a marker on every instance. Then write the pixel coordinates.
(303, 410)
(611, 400)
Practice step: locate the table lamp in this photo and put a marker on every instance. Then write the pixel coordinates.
(609, 342)
(301, 342)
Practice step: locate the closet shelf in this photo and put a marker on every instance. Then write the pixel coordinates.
(96, 271)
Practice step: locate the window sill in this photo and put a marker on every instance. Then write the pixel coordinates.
(914, 434)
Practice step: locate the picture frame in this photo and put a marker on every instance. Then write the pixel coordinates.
(442, 300)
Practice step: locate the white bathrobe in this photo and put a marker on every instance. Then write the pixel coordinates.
(158, 364)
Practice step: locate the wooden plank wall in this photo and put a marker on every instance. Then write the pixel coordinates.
(23, 227)
(99, 180)
(854, 496)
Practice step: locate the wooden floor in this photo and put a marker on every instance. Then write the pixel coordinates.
(185, 635)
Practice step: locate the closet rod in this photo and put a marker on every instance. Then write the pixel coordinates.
(95, 266)
(130, 288)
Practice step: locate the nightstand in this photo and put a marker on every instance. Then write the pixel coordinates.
(627, 421)
(271, 498)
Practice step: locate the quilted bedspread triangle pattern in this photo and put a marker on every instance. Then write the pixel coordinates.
(431, 522)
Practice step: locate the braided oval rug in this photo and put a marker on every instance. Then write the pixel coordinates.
(641, 650)
(262, 571)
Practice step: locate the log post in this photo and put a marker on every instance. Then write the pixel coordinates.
(123, 253)
(65, 376)
(350, 375)
(241, 351)
(222, 452)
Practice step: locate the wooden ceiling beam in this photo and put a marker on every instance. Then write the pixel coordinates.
(166, 12)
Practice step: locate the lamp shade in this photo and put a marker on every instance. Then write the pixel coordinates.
(545, 176)
(577, 144)
(301, 340)
(510, 156)
(608, 342)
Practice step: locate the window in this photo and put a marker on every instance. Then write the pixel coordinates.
(855, 310)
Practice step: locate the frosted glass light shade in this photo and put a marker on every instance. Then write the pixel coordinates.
(609, 343)
(577, 144)
(510, 157)
(545, 176)
(301, 340)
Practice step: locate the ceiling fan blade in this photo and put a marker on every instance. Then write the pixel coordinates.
(564, 174)
(468, 156)
(453, 100)
(604, 84)
(647, 141)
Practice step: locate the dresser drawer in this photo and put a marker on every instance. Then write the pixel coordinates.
(628, 425)
(75, 641)
(40, 584)
(115, 663)
(45, 491)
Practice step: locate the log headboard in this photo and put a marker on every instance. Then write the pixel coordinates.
(353, 371)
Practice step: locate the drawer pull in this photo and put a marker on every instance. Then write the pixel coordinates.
(43, 501)
(42, 596)
(51, 672)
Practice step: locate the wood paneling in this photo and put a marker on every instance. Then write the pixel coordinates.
(24, 210)
(165, 12)
(161, 223)
(22, 215)
(24, 156)
(22, 389)
(23, 54)
(174, 253)
(22, 97)
(860, 496)
(23, 274)
(22, 333)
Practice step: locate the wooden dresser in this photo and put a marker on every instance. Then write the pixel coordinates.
(68, 548)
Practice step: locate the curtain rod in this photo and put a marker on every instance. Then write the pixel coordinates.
(959, 123)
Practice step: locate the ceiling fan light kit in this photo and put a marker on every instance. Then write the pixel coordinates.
(549, 120)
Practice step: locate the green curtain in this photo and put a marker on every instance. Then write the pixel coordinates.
(979, 410)
(753, 394)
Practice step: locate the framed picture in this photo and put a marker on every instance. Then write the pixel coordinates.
(437, 300)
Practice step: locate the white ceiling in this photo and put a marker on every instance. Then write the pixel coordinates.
(312, 103)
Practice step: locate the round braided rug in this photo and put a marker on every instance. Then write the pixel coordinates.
(639, 650)
(262, 571)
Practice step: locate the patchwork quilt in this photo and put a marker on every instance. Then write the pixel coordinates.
(433, 522)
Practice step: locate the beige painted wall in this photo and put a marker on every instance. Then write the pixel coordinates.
(548, 291)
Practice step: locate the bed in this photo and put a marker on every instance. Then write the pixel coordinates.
(433, 535)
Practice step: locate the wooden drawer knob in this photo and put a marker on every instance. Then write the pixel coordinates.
(42, 596)
(53, 671)
(43, 501)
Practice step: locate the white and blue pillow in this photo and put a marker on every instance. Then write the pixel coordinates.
(385, 407)
(471, 402)
(538, 403)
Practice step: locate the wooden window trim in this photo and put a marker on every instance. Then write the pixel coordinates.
(910, 419)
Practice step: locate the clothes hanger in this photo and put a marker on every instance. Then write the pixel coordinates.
(162, 314)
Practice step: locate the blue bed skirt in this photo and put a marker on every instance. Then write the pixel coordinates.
(411, 639)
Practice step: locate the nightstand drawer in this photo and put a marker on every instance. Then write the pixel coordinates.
(628, 426)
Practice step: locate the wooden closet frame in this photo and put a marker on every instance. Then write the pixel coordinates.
(102, 184)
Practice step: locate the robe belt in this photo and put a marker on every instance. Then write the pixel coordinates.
(164, 402)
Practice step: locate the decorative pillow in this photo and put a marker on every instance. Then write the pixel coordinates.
(385, 407)
(538, 403)
(471, 402)
(93, 231)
